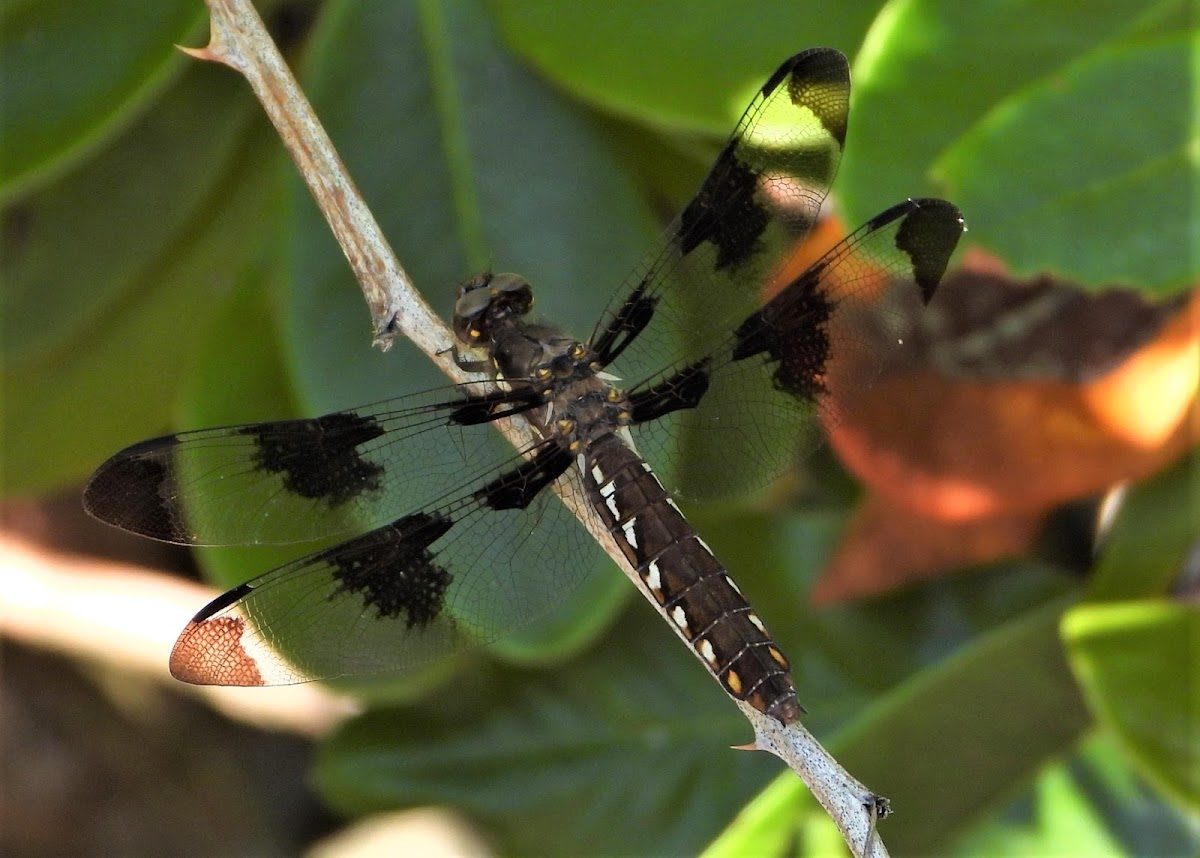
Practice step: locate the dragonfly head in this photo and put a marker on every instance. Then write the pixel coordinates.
(486, 299)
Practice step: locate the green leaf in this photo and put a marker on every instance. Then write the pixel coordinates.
(928, 71)
(1070, 823)
(586, 612)
(1089, 803)
(238, 376)
(112, 273)
(73, 76)
(1155, 531)
(949, 743)
(931, 72)
(1115, 207)
(75, 249)
(469, 161)
(784, 819)
(680, 64)
(624, 752)
(1136, 662)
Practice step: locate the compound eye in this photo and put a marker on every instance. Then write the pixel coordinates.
(473, 299)
(508, 282)
(515, 290)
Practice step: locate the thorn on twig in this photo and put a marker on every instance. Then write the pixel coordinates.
(206, 53)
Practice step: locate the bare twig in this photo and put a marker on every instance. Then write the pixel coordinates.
(852, 807)
(240, 41)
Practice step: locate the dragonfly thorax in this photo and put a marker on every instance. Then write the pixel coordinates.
(491, 314)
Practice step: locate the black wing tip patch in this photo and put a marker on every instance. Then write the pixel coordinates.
(820, 65)
(130, 491)
(928, 235)
(819, 80)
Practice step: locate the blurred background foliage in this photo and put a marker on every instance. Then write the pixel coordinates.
(163, 267)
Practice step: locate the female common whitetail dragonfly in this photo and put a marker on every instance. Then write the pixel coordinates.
(467, 537)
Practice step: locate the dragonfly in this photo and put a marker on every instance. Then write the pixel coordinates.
(704, 376)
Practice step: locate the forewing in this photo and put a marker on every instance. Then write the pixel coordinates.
(302, 480)
(762, 196)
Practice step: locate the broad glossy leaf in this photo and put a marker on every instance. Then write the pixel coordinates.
(957, 738)
(686, 65)
(1088, 803)
(1136, 662)
(624, 752)
(1090, 172)
(928, 71)
(1155, 532)
(75, 249)
(73, 75)
(1064, 823)
(110, 376)
(238, 376)
(784, 819)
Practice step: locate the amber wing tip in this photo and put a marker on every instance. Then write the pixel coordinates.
(210, 652)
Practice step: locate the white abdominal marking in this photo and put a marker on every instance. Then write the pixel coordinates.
(630, 536)
(653, 578)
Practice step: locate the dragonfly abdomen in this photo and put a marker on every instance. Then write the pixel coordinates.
(680, 572)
